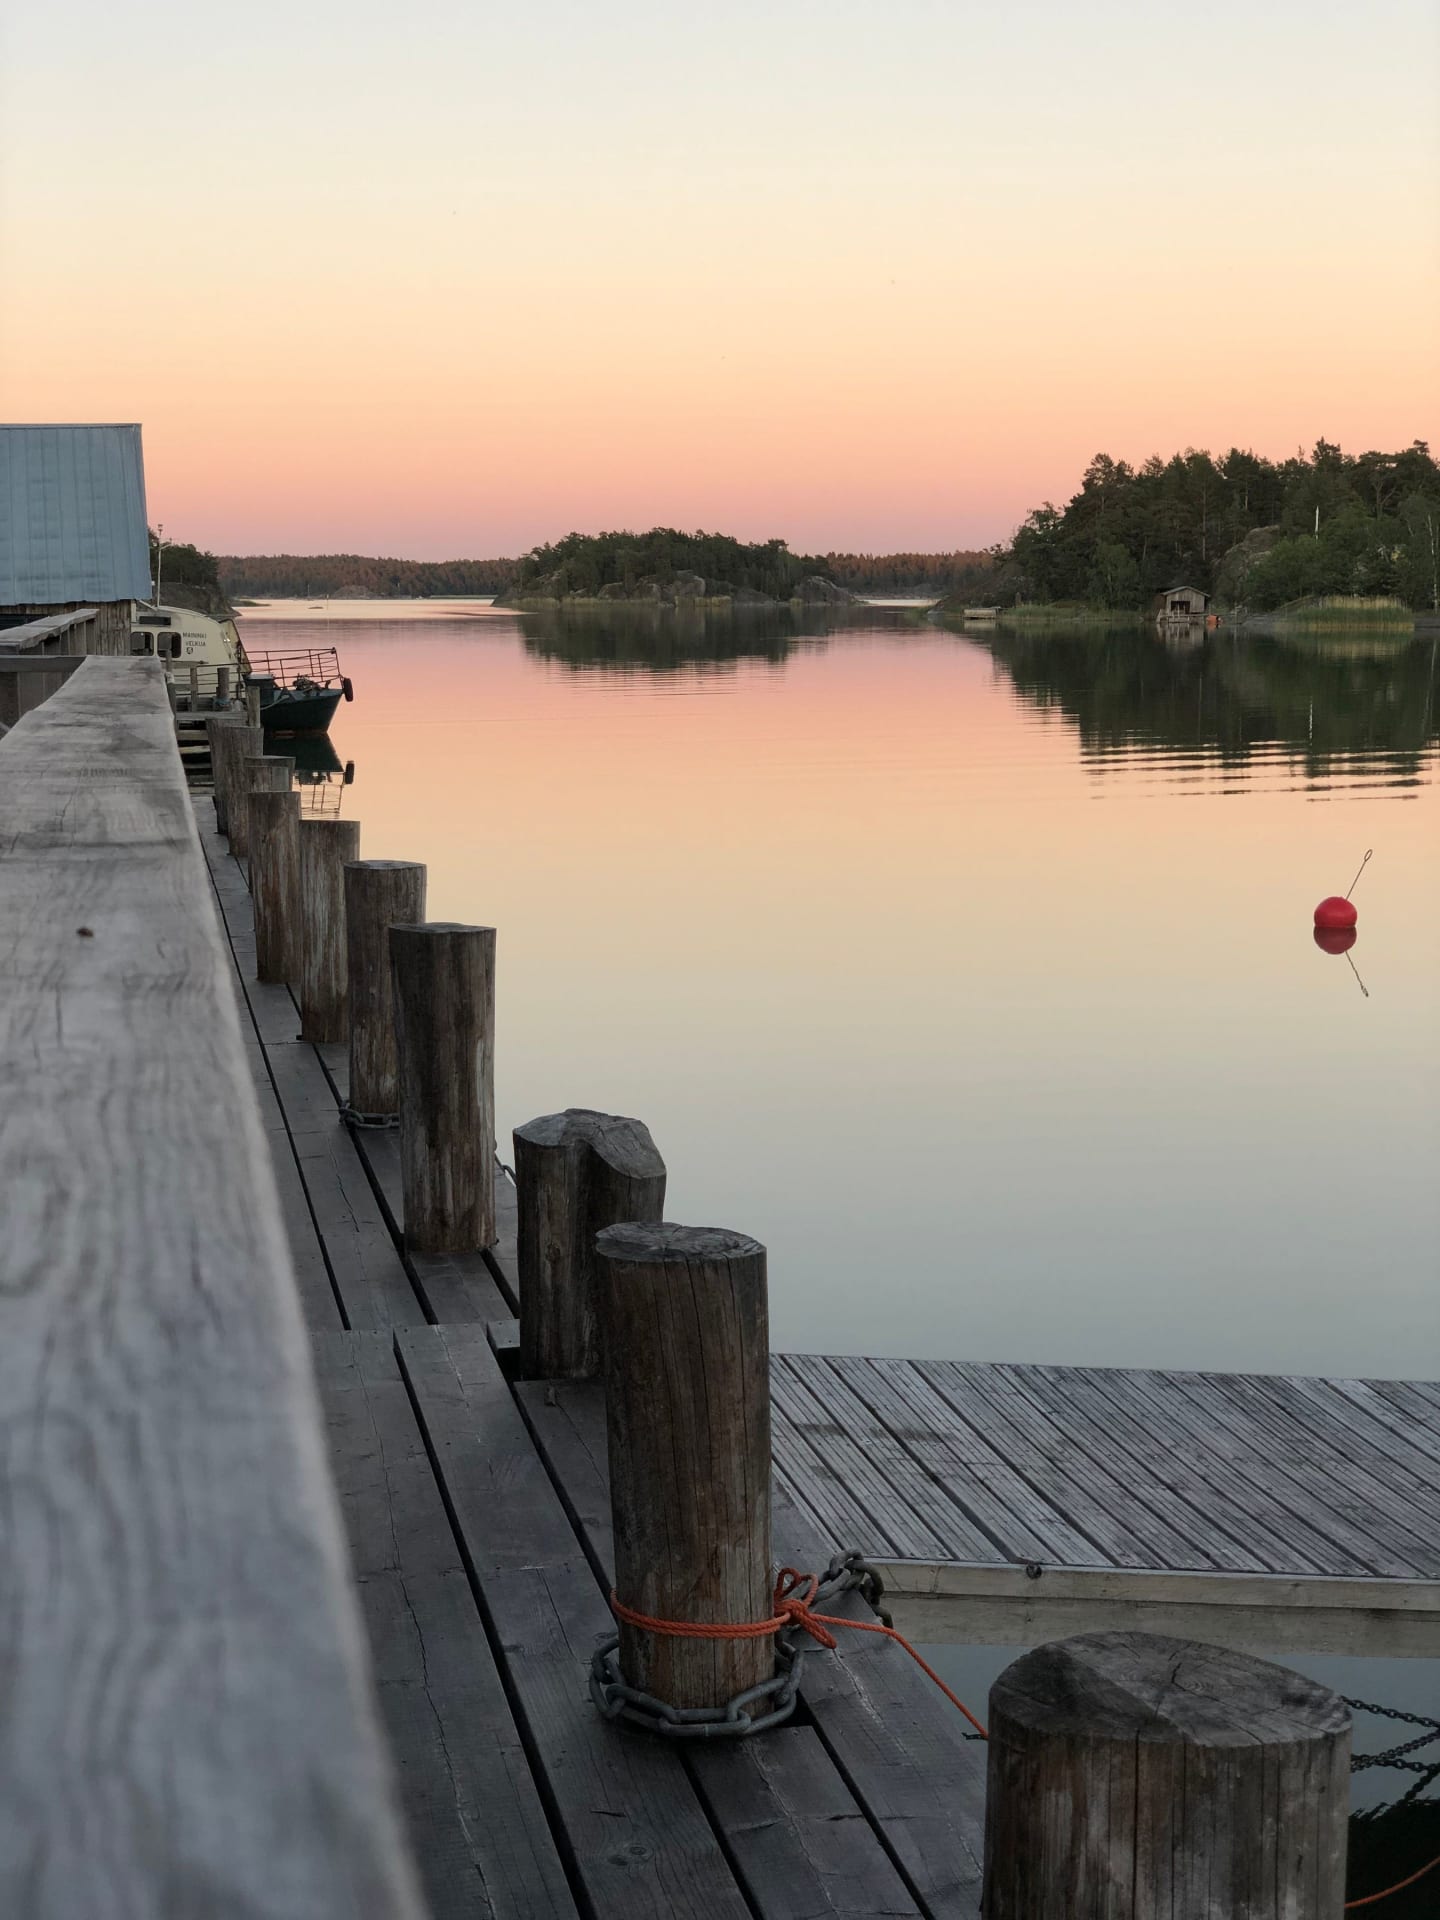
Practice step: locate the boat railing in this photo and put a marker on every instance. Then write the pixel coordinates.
(286, 666)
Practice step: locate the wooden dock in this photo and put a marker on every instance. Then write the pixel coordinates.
(183, 1193)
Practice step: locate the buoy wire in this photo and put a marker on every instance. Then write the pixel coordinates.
(1358, 871)
(1358, 981)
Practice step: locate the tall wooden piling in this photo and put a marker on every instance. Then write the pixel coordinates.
(234, 740)
(274, 882)
(1133, 1777)
(258, 773)
(445, 1036)
(379, 894)
(576, 1173)
(687, 1351)
(326, 847)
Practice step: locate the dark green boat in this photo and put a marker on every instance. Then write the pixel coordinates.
(299, 690)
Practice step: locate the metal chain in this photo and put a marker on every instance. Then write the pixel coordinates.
(1391, 1756)
(775, 1698)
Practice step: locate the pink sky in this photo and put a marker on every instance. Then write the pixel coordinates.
(889, 286)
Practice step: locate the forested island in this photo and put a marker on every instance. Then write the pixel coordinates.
(1255, 533)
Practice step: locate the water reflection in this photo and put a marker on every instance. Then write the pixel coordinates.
(320, 774)
(659, 640)
(1321, 703)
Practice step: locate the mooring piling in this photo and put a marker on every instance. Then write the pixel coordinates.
(379, 894)
(274, 861)
(576, 1173)
(1133, 1775)
(258, 773)
(686, 1368)
(445, 1036)
(326, 848)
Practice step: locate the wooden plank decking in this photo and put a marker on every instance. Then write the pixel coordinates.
(1012, 1503)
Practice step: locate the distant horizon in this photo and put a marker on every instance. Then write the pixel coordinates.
(1056, 495)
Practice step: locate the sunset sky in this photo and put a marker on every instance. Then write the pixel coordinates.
(446, 279)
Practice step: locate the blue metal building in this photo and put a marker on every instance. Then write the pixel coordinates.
(73, 527)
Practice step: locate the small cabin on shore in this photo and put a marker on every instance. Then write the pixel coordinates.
(73, 532)
(1184, 603)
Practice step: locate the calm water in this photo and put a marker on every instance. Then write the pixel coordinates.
(974, 975)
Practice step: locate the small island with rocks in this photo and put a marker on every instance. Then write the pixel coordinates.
(665, 569)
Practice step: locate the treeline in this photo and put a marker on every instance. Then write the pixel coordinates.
(1254, 531)
(918, 573)
(343, 576)
(183, 566)
(586, 563)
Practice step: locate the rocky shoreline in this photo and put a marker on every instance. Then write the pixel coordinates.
(687, 591)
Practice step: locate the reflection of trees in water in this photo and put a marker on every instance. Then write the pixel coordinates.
(674, 640)
(1232, 695)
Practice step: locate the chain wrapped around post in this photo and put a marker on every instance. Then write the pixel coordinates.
(800, 1623)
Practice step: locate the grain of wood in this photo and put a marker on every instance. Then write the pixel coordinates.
(274, 859)
(444, 984)
(1133, 1777)
(576, 1173)
(189, 1724)
(475, 1814)
(323, 988)
(256, 773)
(379, 894)
(687, 1352)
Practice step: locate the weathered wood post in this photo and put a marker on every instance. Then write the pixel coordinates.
(252, 705)
(236, 742)
(259, 773)
(9, 698)
(687, 1377)
(445, 1036)
(1133, 1777)
(215, 723)
(222, 686)
(194, 687)
(274, 877)
(379, 894)
(326, 846)
(575, 1173)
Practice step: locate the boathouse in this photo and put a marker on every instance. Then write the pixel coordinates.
(74, 551)
(1184, 603)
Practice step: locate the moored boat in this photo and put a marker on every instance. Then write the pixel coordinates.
(299, 689)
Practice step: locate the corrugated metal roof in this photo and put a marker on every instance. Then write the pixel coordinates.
(72, 515)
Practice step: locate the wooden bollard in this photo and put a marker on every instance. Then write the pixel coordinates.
(258, 773)
(222, 686)
(379, 894)
(445, 1035)
(274, 864)
(215, 725)
(326, 847)
(236, 742)
(687, 1379)
(1140, 1778)
(575, 1173)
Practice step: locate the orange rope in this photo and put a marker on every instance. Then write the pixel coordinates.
(1399, 1887)
(794, 1593)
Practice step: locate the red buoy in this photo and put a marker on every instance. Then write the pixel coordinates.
(1335, 914)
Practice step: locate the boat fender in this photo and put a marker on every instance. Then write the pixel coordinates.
(347, 689)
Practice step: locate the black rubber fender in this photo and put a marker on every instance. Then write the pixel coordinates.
(347, 688)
